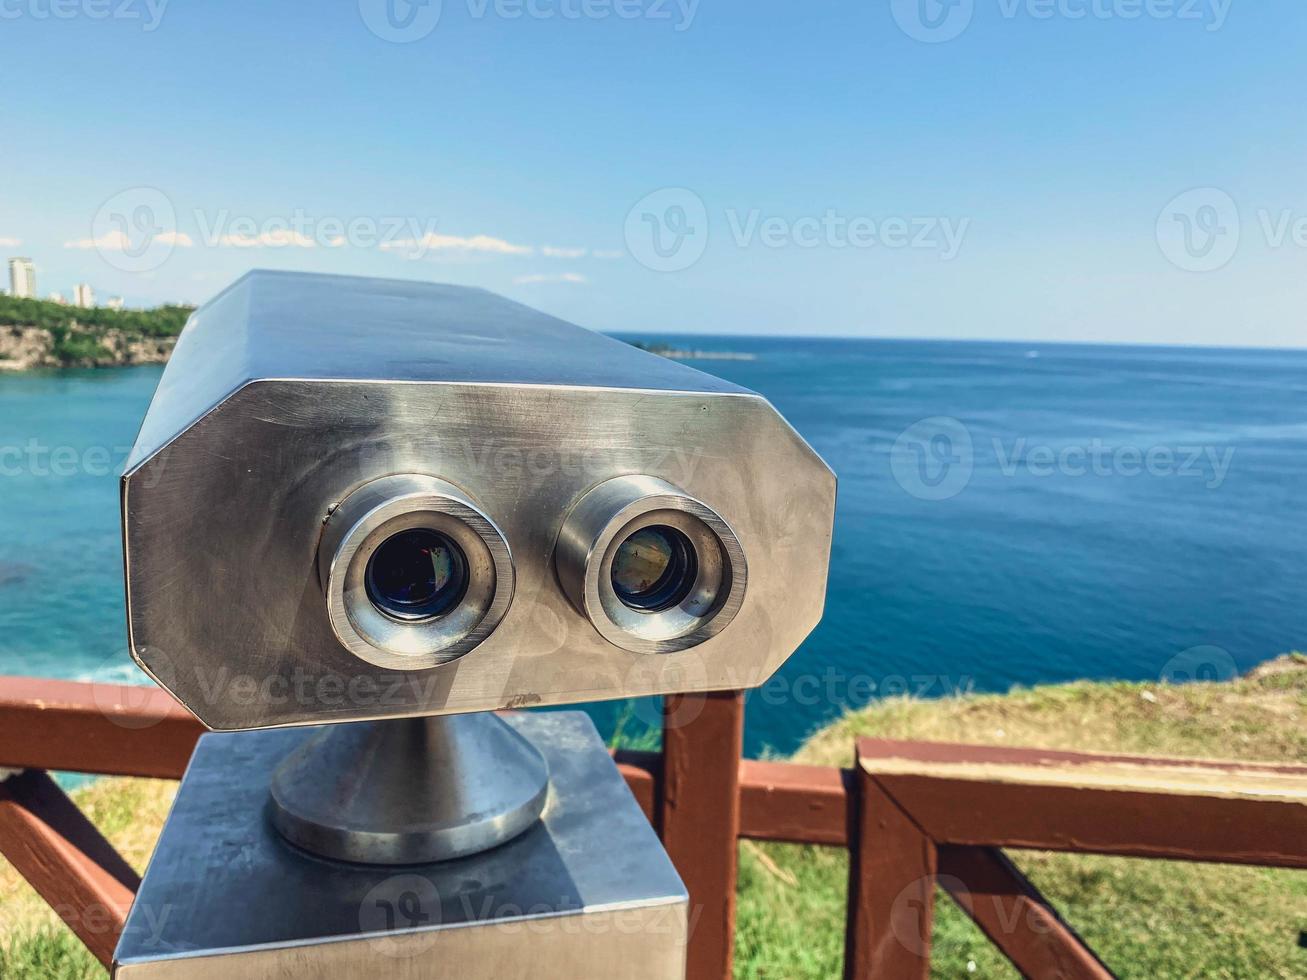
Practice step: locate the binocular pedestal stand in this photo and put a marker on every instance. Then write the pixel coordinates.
(409, 791)
(467, 846)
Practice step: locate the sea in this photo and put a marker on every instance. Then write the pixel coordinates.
(1009, 514)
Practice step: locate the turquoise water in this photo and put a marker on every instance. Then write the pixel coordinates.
(1063, 543)
(63, 439)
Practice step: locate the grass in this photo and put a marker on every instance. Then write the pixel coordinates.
(1147, 919)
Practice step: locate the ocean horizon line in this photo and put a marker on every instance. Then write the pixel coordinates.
(1001, 341)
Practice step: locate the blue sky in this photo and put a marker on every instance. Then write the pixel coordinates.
(1079, 170)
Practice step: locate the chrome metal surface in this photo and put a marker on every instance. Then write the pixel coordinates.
(586, 892)
(370, 516)
(409, 790)
(605, 518)
(288, 393)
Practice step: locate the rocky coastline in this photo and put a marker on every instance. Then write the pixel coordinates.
(29, 348)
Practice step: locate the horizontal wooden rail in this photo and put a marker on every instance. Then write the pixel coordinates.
(106, 729)
(780, 801)
(1130, 806)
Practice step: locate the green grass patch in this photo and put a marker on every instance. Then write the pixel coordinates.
(48, 954)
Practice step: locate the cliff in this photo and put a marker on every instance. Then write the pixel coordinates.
(23, 348)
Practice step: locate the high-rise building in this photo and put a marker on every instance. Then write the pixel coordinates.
(83, 296)
(22, 278)
(114, 302)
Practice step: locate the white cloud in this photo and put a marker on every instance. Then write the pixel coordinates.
(608, 253)
(433, 242)
(118, 241)
(575, 277)
(273, 238)
(10, 242)
(558, 252)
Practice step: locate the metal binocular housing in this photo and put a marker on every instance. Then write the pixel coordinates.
(354, 499)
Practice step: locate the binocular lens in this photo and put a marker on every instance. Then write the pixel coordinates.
(655, 568)
(416, 574)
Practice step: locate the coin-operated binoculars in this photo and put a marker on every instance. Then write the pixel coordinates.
(385, 509)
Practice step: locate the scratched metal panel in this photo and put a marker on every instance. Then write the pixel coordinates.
(301, 325)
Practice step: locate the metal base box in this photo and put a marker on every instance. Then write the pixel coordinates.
(587, 892)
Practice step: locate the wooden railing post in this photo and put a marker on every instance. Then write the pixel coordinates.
(703, 739)
(892, 867)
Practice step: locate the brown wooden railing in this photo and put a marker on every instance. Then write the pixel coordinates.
(912, 815)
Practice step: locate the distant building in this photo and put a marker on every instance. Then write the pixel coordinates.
(114, 303)
(22, 278)
(83, 296)
(57, 298)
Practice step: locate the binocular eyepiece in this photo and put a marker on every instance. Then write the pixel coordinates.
(416, 574)
(652, 568)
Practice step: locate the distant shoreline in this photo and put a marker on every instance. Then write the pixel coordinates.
(682, 354)
(36, 334)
